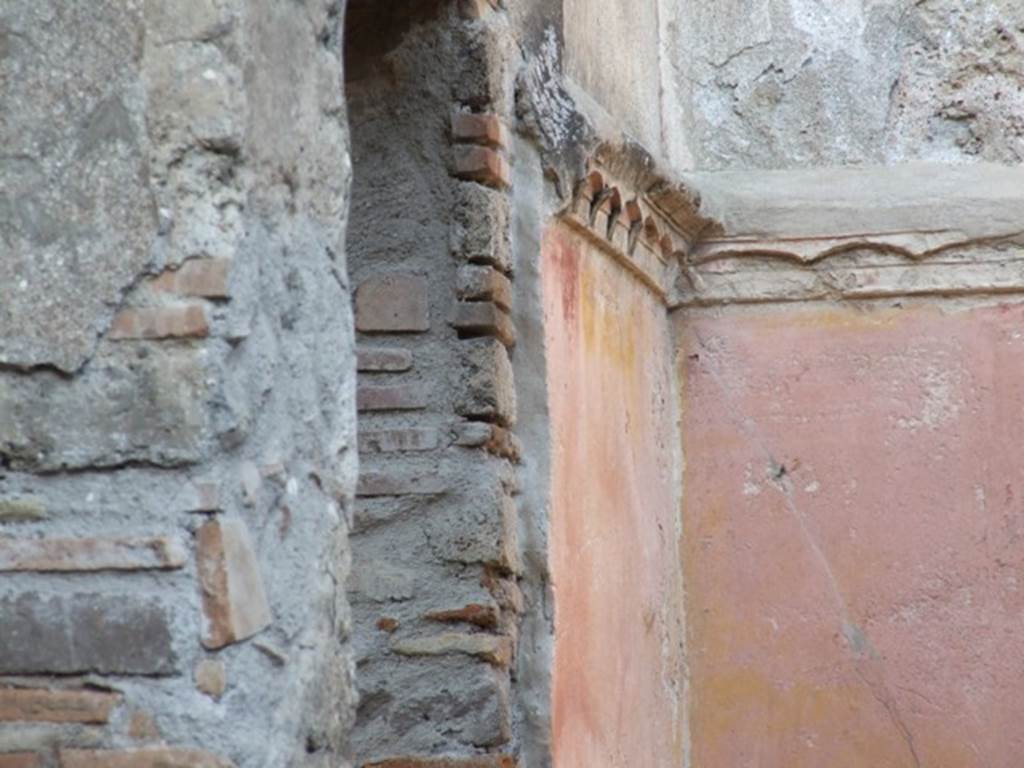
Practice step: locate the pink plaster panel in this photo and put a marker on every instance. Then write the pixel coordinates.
(854, 537)
(614, 535)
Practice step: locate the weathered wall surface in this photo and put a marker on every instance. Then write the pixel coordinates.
(434, 582)
(617, 695)
(852, 520)
(177, 451)
(784, 83)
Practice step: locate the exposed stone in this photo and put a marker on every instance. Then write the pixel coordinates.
(78, 633)
(142, 727)
(480, 227)
(383, 359)
(56, 706)
(487, 390)
(394, 303)
(26, 509)
(491, 437)
(234, 603)
(151, 411)
(493, 649)
(160, 553)
(211, 678)
(141, 758)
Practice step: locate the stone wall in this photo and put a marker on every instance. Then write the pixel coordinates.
(177, 456)
(785, 83)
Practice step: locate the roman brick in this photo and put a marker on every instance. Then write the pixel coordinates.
(21, 760)
(56, 706)
(141, 758)
(477, 282)
(383, 360)
(485, 616)
(479, 761)
(181, 321)
(396, 397)
(395, 303)
(484, 318)
(204, 278)
(388, 484)
(391, 440)
(234, 602)
(96, 554)
(486, 129)
(26, 509)
(494, 649)
(484, 165)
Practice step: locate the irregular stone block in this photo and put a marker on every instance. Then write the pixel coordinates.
(160, 553)
(480, 227)
(150, 411)
(56, 706)
(394, 303)
(211, 678)
(234, 602)
(141, 758)
(27, 509)
(80, 633)
(76, 210)
(487, 389)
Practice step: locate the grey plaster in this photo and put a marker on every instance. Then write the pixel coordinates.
(785, 83)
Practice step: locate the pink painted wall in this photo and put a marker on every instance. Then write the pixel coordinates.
(854, 536)
(614, 535)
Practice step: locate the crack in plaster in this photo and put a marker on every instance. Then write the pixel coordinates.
(867, 664)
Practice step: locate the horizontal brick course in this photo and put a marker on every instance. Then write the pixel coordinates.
(480, 761)
(494, 649)
(392, 440)
(484, 318)
(484, 165)
(484, 129)
(398, 397)
(56, 706)
(383, 359)
(183, 321)
(98, 554)
(141, 758)
(477, 282)
(395, 303)
(21, 760)
(205, 278)
(387, 484)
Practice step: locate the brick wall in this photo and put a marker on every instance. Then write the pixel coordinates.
(434, 577)
(177, 395)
